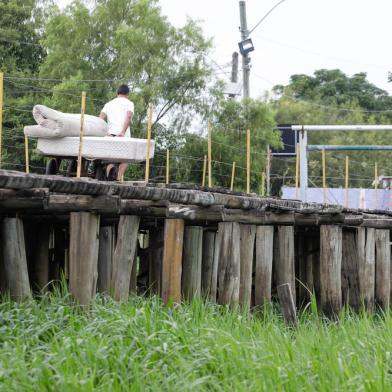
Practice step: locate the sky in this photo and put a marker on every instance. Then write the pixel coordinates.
(299, 36)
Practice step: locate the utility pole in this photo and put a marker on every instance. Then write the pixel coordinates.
(245, 57)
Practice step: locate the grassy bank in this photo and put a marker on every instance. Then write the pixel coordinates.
(50, 345)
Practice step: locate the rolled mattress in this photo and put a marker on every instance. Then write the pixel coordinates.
(113, 149)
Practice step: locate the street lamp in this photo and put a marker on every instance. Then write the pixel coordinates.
(246, 45)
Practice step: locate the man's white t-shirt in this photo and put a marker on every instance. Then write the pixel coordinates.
(116, 111)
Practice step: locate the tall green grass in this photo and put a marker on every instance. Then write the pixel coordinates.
(48, 344)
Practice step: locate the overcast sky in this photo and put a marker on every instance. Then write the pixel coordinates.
(299, 36)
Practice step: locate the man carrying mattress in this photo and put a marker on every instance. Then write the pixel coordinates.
(118, 113)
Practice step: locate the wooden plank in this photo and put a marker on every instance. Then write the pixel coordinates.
(83, 255)
(285, 267)
(350, 270)
(172, 260)
(287, 304)
(191, 262)
(247, 246)
(155, 259)
(366, 265)
(107, 241)
(209, 273)
(124, 256)
(14, 258)
(263, 264)
(229, 263)
(330, 269)
(383, 268)
(101, 203)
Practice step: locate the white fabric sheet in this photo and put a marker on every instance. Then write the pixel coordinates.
(113, 149)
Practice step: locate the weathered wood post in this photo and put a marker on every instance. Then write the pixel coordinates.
(229, 263)
(124, 256)
(287, 304)
(83, 255)
(172, 260)
(350, 270)
(155, 259)
(209, 273)
(330, 269)
(107, 241)
(366, 265)
(191, 263)
(14, 258)
(383, 268)
(285, 263)
(247, 246)
(263, 264)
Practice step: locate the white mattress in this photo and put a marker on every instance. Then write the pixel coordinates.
(113, 149)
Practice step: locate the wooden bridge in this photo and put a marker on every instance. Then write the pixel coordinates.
(177, 242)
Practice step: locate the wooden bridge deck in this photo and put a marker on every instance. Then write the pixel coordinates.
(179, 242)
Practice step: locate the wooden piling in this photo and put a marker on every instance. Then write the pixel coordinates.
(229, 263)
(83, 255)
(366, 265)
(192, 261)
(263, 264)
(209, 271)
(285, 267)
(14, 257)
(155, 259)
(350, 270)
(330, 269)
(287, 304)
(247, 245)
(383, 268)
(107, 241)
(124, 256)
(172, 260)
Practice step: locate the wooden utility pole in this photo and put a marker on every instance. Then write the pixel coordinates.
(245, 58)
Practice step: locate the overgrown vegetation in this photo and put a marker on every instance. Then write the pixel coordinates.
(48, 344)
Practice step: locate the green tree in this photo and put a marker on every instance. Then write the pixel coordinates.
(20, 56)
(127, 41)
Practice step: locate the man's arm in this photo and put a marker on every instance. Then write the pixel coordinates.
(102, 115)
(127, 121)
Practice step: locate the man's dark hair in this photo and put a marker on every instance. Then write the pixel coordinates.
(123, 90)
